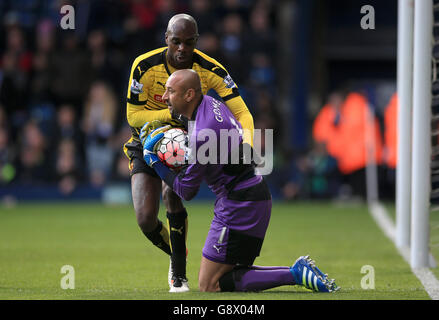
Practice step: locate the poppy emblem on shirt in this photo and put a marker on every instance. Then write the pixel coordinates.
(136, 87)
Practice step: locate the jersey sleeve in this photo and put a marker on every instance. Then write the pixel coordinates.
(239, 109)
(223, 84)
(141, 79)
(188, 181)
(185, 183)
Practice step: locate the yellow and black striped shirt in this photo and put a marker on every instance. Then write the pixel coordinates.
(149, 73)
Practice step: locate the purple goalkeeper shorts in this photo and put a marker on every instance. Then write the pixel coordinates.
(237, 231)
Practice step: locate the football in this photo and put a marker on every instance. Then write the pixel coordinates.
(171, 149)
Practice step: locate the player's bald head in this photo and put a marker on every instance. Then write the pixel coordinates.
(181, 22)
(183, 92)
(187, 79)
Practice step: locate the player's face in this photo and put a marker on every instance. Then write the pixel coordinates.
(181, 44)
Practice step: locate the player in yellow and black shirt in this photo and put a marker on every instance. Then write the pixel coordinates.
(146, 87)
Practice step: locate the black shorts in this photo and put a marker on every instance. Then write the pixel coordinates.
(134, 151)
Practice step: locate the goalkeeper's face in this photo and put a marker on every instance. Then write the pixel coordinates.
(174, 96)
(182, 92)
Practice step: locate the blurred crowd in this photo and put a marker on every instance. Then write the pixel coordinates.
(62, 95)
(353, 141)
(62, 92)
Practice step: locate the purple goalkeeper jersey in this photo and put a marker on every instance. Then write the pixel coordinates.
(213, 116)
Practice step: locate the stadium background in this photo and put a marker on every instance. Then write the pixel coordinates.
(62, 92)
(63, 124)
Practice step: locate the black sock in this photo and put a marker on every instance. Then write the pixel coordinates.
(228, 280)
(177, 223)
(160, 237)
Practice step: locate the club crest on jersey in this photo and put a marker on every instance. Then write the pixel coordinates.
(136, 87)
(229, 82)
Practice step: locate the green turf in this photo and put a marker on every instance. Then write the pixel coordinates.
(434, 233)
(434, 239)
(113, 260)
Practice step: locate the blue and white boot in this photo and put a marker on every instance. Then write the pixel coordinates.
(306, 273)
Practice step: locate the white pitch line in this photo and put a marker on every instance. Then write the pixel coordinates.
(429, 281)
(427, 278)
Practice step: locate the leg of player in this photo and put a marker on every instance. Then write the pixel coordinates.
(257, 278)
(146, 199)
(210, 274)
(177, 224)
(215, 277)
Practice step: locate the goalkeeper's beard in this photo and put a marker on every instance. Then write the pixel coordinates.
(179, 117)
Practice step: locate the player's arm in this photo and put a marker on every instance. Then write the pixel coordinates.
(243, 115)
(140, 81)
(185, 183)
(226, 88)
(139, 116)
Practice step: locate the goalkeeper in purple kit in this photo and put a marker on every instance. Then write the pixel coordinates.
(243, 200)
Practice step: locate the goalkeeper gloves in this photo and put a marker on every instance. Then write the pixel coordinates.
(149, 144)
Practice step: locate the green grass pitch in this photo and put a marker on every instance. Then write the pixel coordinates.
(113, 260)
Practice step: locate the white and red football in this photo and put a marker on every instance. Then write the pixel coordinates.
(171, 149)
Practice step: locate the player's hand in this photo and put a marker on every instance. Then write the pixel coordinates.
(148, 128)
(149, 157)
(151, 140)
